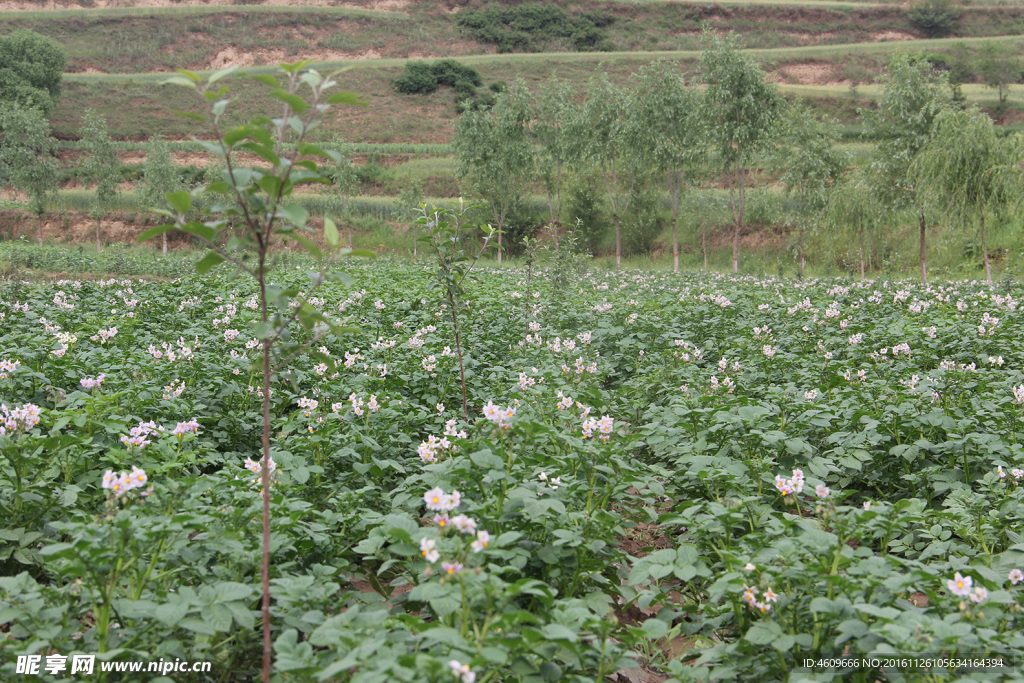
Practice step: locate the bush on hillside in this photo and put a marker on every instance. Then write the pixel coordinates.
(31, 69)
(935, 17)
(526, 28)
(421, 78)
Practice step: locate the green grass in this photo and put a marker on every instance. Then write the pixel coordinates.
(200, 10)
(610, 58)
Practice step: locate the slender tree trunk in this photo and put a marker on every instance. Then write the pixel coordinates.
(164, 246)
(924, 264)
(618, 244)
(736, 199)
(412, 229)
(704, 242)
(39, 227)
(499, 249)
(676, 190)
(458, 350)
(984, 252)
(862, 257)
(98, 245)
(801, 238)
(265, 563)
(764, 249)
(350, 234)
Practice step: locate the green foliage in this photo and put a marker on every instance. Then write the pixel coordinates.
(160, 175)
(935, 17)
(740, 115)
(913, 94)
(102, 165)
(532, 27)
(998, 66)
(421, 78)
(810, 162)
(27, 154)
(642, 224)
(585, 207)
(31, 69)
(495, 154)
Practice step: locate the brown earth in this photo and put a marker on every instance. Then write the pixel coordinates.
(25, 6)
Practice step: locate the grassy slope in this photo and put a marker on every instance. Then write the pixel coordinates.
(124, 41)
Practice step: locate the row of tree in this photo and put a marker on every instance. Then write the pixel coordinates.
(29, 163)
(933, 158)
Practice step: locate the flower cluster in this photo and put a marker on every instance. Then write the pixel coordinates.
(120, 484)
(137, 436)
(13, 419)
(308, 405)
(7, 367)
(462, 671)
(190, 427)
(963, 586)
(439, 501)
(750, 594)
(790, 486)
(500, 417)
(172, 392)
(256, 467)
(92, 382)
(103, 336)
(603, 427)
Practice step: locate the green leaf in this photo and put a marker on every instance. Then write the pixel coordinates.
(655, 629)
(763, 633)
(330, 231)
(209, 261)
(154, 232)
(217, 75)
(363, 253)
(266, 79)
(180, 201)
(297, 104)
(346, 97)
(178, 80)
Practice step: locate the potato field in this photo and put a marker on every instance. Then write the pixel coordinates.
(655, 477)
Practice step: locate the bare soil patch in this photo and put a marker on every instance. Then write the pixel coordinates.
(812, 74)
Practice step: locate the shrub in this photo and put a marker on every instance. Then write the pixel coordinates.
(526, 27)
(585, 203)
(417, 79)
(31, 68)
(421, 78)
(935, 17)
(642, 223)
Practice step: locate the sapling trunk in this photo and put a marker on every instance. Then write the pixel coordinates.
(458, 350)
(618, 244)
(99, 247)
(984, 252)
(40, 228)
(924, 265)
(265, 564)
(801, 238)
(675, 223)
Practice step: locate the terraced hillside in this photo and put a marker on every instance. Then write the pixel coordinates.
(825, 54)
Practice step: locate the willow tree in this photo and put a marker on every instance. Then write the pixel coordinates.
(102, 166)
(851, 207)
(556, 110)
(601, 136)
(28, 157)
(913, 94)
(812, 166)
(740, 113)
(965, 172)
(495, 155)
(160, 177)
(664, 122)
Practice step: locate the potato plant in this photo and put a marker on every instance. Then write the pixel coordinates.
(712, 478)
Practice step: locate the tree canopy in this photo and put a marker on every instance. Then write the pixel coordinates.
(31, 68)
